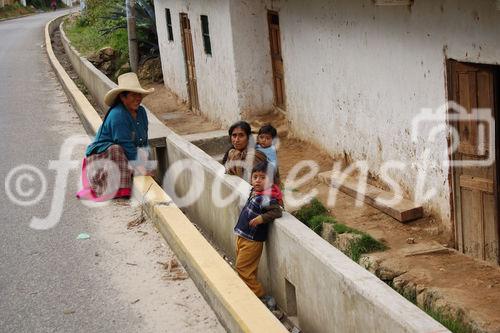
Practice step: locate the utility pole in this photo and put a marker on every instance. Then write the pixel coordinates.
(133, 52)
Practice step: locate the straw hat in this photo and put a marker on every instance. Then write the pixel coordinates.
(126, 82)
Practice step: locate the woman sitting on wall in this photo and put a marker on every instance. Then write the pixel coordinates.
(120, 145)
(242, 157)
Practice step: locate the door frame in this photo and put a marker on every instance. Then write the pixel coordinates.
(192, 87)
(282, 107)
(454, 200)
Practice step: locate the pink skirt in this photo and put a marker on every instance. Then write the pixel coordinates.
(106, 176)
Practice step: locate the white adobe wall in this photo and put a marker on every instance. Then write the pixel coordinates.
(252, 57)
(215, 74)
(356, 74)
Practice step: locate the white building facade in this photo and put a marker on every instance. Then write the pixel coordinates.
(354, 75)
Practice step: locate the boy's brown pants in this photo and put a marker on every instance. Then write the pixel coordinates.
(247, 262)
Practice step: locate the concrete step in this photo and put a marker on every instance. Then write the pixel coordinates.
(212, 143)
(173, 115)
(404, 211)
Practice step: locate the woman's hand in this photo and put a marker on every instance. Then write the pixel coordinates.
(141, 170)
(256, 221)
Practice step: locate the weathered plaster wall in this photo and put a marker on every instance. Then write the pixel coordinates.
(356, 74)
(215, 74)
(252, 56)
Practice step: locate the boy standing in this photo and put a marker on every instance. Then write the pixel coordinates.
(261, 208)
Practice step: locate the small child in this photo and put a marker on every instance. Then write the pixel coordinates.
(265, 144)
(261, 208)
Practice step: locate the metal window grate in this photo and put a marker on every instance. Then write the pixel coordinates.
(169, 25)
(206, 34)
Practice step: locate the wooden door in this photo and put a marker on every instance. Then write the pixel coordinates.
(187, 42)
(277, 59)
(475, 187)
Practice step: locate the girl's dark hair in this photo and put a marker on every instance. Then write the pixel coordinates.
(239, 124)
(268, 129)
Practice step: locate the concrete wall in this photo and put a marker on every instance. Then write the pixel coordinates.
(96, 82)
(356, 74)
(333, 293)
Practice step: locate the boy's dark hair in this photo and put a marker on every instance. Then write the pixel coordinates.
(268, 129)
(265, 167)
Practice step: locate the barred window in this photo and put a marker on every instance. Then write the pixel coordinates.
(169, 25)
(206, 34)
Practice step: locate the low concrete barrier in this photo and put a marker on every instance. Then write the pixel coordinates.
(309, 278)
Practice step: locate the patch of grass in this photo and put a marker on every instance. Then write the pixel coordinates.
(453, 325)
(310, 210)
(88, 40)
(365, 244)
(316, 223)
(314, 214)
(14, 10)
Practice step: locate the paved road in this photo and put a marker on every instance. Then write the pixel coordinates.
(49, 280)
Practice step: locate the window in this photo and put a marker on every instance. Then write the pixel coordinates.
(169, 25)
(206, 34)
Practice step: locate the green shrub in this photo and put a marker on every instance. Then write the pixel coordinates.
(109, 18)
(308, 211)
(316, 223)
(14, 10)
(365, 244)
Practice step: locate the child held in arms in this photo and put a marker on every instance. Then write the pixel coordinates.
(265, 144)
(261, 208)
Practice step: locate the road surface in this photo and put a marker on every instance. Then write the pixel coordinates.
(50, 281)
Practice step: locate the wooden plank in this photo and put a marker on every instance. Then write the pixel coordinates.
(404, 211)
(491, 241)
(426, 249)
(472, 223)
(476, 183)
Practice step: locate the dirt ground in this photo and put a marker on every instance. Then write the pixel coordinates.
(157, 286)
(174, 113)
(458, 286)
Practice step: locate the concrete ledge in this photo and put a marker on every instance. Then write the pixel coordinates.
(89, 117)
(235, 305)
(331, 292)
(404, 211)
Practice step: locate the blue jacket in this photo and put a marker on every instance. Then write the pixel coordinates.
(120, 128)
(257, 205)
(270, 153)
